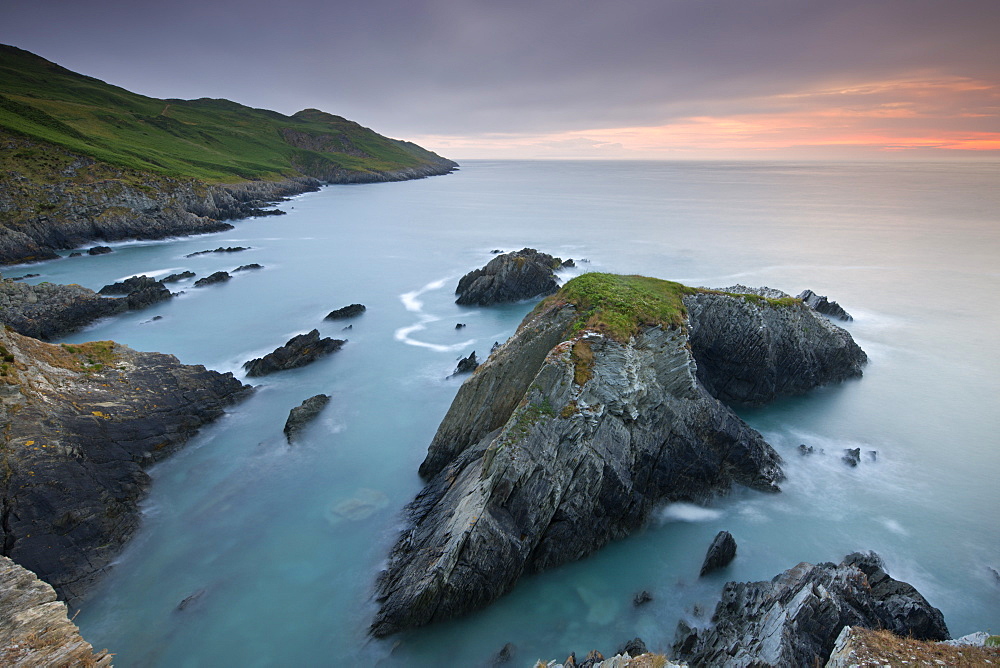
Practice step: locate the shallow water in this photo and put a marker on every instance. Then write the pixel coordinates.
(285, 575)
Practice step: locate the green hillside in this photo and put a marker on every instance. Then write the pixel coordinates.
(211, 140)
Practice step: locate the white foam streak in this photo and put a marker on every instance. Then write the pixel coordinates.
(688, 512)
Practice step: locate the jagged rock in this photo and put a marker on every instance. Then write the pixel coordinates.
(303, 414)
(852, 456)
(720, 553)
(189, 600)
(824, 306)
(140, 291)
(641, 598)
(568, 264)
(34, 627)
(467, 364)
(794, 619)
(352, 311)
(100, 250)
(806, 449)
(48, 310)
(248, 267)
(756, 346)
(173, 278)
(510, 277)
(220, 249)
(212, 279)
(565, 439)
(79, 432)
(297, 351)
(460, 325)
(633, 647)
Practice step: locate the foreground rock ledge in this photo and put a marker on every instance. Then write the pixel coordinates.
(566, 437)
(34, 627)
(82, 421)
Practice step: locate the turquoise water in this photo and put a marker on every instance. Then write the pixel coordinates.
(912, 251)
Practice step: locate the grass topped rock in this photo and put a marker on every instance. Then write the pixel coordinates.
(510, 277)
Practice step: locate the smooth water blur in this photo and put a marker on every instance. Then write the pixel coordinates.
(911, 250)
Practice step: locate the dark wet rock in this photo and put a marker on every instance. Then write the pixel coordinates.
(565, 439)
(298, 351)
(806, 449)
(824, 306)
(460, 325)
(100, 250)
(495, 251)
(220, 249)
(510, 277)
(568, 264)
(505, 655)
(300, 416)
(872, 455)
(720, 553)
(633, 648)
(173, 278)
(48, 310)
(212, 279)
(352, 311)
(755, 345)
(21, 278)
(794, 619)
(75, 254)
(79, 433)
(467, 364)
(35, 629)
(641, 598)
(248, 267)
(188, 601)
(996, 574)
(139, 291)
(852, 456)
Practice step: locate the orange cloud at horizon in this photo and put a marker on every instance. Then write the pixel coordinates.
(948, 116)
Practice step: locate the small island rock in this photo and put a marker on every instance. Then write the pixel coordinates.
(720, 553)
(212, 279)
(100, 250)
(303, 414)
(352, 311)
(510, 277)
(298, 351)
(173, 278)
(467, 364)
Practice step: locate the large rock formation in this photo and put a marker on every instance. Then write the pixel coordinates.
(794, 619)
(298, 351)
(34, 628)
(139, 291)
(510, 277)
(564, 439)
(48, 310)
(81, 423)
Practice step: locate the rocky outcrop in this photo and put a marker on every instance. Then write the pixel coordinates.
(351, 311)
(253, 266)
(298, 351)
(173, 278)
(510, 277)
(794, 619)
(756, 346)
(213, 279)
(467, 364)
(720, 553)
(81, 424)
(34, 627)
(139, 291)
(47, 310)
(300, 416)
(824, 306)
(220, 249)
(595, 659)
(563, 440)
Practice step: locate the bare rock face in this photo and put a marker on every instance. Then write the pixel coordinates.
(34, 627)
(720, 553)
(297, 351)
(563, 440)
(824, 305)
(794, 619)
(300, 416)
(82, 422)
(510, 277)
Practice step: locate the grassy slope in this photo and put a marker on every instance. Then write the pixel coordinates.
(210, 140)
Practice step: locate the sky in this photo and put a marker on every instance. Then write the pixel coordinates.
(624, 79)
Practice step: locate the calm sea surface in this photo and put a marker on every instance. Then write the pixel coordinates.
(261, 530)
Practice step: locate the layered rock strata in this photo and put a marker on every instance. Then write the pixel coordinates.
(510, 277)
(81, 424)
(795, 619)
(565, 438)
(34, 627)
(824, 305)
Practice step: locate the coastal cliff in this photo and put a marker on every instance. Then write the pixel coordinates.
(567, 436)
(81, 422)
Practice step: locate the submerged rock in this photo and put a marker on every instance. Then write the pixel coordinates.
(566, 438)
(365, 503)
(297, 351)
(794, 619)
(352, 311)
(641, 598)
(824, 306)
(720, 553)
(82, 423)
(510, 277)
(303, 414)
(34, 627)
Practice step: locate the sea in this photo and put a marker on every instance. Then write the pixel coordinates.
(254, 552)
